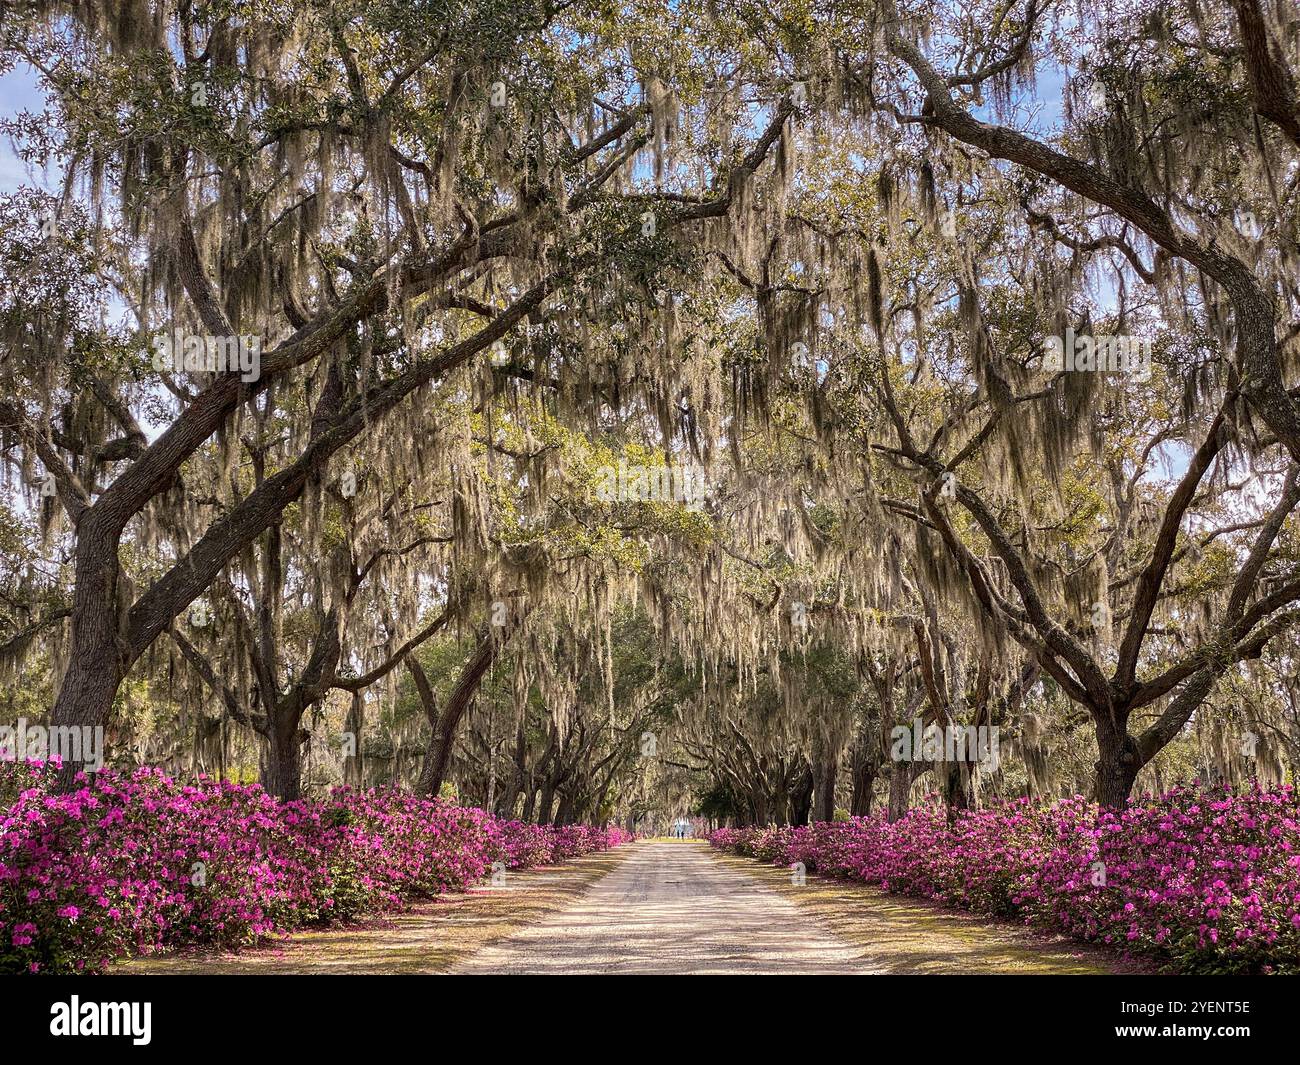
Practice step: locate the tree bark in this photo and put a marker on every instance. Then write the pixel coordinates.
(864, 780)
(958, 786)
(97, 662)
(864, 765)
(1271, 81)
(282, 773)
(354, 767)
(442, 738)
(900, 790)
(544, 803)
(510, 796)
(1118, 762)
(801, 796)
(827, 774)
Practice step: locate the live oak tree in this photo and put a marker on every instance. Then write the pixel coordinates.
(945, 330)
(487, 252)
(285, 628)
(1185, 153)
(375, 193)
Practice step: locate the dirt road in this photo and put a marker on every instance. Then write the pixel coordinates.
(671, 908)
(659, 906)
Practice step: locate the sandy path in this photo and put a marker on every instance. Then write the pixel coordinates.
(658, 906)
(670, 907)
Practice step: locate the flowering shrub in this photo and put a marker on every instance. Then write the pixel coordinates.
(131, 865)
(1206, 883)
(521, 844)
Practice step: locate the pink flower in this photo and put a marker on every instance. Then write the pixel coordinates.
(1211, 885)
(151, 864)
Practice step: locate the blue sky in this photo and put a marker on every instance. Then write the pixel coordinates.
(18, 92)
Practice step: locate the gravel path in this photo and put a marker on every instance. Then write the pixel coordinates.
(670, 907)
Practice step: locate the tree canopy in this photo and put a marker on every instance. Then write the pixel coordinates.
(617, 407)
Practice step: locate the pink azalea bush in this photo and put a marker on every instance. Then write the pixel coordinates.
(141, 863)
(1203, 882)
(521, 844)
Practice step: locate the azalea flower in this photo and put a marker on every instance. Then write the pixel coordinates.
(141, 863)
(1203, 883)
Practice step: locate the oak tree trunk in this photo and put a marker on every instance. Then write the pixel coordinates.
(824, 807)
(282, 772)
(1118, 762)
